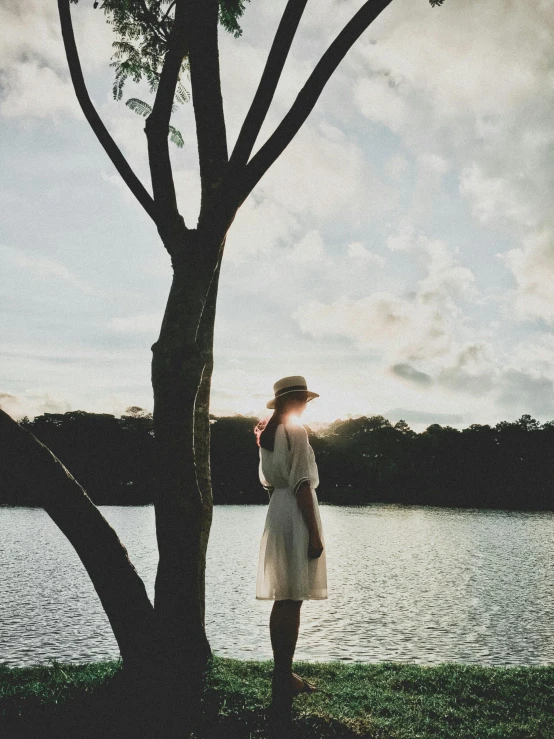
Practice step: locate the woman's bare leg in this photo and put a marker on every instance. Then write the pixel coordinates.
(284, 624)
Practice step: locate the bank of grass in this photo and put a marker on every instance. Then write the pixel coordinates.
(382, 701)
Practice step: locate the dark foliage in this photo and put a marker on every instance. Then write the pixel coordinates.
(362, 460)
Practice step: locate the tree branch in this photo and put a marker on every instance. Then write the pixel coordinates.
(308, 96)
(207, 100)
(268, 83)
(157, 125)
(49, 484)
(95, 122)
(152, 22)
(167, 13)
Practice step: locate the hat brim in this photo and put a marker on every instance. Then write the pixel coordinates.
(310, 396)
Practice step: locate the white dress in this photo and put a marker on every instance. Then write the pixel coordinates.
(284, 568)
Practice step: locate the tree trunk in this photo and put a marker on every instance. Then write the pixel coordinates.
(202, 421)
(50, 485)
(181, 376)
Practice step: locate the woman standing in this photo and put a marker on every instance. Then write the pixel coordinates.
(292, 566)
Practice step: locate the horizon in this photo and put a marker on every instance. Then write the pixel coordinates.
(314, 424)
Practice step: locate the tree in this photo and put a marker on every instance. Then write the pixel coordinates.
(162, 41)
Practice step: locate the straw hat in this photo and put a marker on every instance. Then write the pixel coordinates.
(292, 384)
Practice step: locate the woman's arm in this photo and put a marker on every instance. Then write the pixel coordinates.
(305, 502)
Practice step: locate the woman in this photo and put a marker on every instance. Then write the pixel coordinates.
(291, 566)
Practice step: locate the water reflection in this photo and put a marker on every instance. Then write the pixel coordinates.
(425, 585)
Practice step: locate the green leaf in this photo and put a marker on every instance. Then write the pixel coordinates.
(175, 137)
(142, 29)
(139, 106)
(143, 109)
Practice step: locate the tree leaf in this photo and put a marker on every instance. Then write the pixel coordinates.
(175, 137)
(139, 106)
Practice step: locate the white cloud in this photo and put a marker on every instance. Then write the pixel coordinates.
(33, 66)
(462, 54)
(141, 323)
(46, 268)
(527, 392)
(403, 239)
(32, 90)
(473, 371)
(309, 250)
(363, 257)
(533, 268)
(446, 277)
(321, 176)
(494, 198)
(399, 327)
(423, 325)
(380, 100)
(32, 403)
(434, 163)
(260, 225)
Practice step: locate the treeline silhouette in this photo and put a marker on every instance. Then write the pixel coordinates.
(362, 460)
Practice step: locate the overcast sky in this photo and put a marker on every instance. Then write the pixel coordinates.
(400, 254)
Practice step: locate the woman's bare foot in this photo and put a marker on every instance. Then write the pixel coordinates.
(299, 685)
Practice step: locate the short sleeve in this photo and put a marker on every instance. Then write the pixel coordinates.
(300, 467)
(265, 483)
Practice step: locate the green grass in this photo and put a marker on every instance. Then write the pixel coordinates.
(382, 701)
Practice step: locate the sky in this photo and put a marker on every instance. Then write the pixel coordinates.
(399, 254)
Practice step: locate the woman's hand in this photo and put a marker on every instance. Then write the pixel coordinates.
(315, 546)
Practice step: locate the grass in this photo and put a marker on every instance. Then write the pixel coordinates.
(382, 701)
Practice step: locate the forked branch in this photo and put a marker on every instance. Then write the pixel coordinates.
(110, 147)
(309, 95)
(268, 83)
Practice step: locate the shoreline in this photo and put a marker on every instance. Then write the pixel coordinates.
(382, 700)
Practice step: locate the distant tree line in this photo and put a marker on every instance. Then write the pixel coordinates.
(362, 460)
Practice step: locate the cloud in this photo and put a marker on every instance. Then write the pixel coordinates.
(31, 90)
(460, 56)
(494, 198)
(411, 375)
(363, 257)
(399, 327)
(309, 250)
(468, 89)
(420, 325)
(141, 323)
(33, 68)
(46, 268)
(403, 239)
(533, 267)
(380, 100)
(424, 417)
(259, 227)
(323, 175)
(32, 404)
(446, 278)
(473, 371)
(521, 392)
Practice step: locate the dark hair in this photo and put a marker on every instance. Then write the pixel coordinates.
(265, 431)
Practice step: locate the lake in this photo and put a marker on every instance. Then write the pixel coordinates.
(416, 584)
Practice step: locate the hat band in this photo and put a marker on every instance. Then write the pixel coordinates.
(291, 389)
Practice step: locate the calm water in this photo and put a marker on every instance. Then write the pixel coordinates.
(405, 584)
